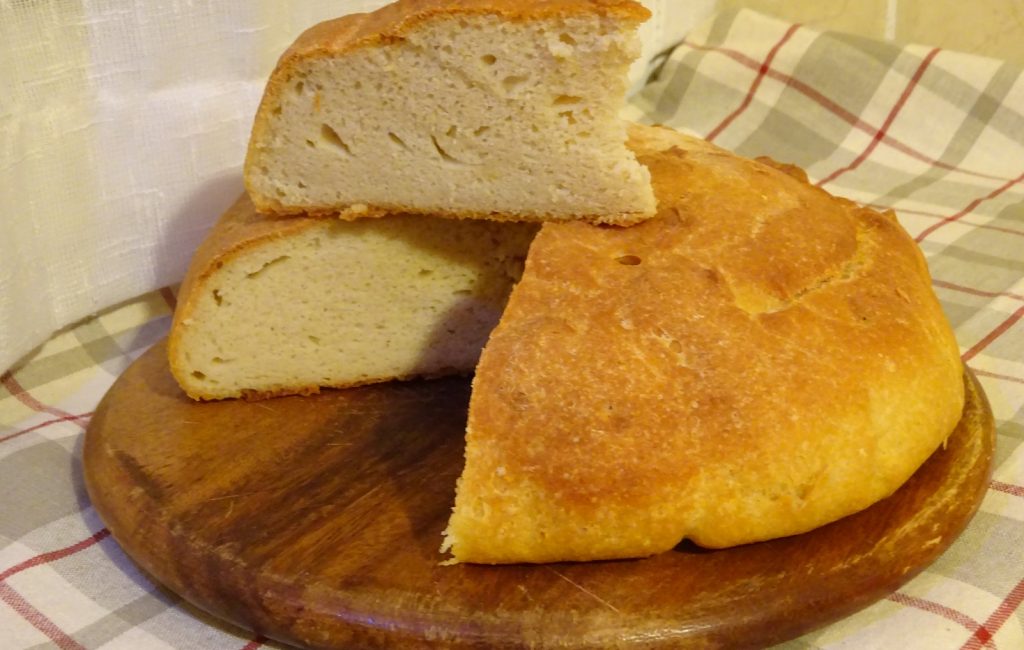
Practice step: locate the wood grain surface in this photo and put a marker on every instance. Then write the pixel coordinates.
(317, 521)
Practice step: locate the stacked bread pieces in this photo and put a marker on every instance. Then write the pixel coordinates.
(756, 360)
(483, 111)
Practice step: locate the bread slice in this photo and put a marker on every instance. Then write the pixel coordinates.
(497, 109)
(758, 360)
(280, 306)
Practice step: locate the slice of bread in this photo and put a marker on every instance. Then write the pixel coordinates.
(494, 109)
(276, 306)
(757, 360)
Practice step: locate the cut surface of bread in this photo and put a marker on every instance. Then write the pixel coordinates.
(285, 306)
(489, 109)
(756, 361)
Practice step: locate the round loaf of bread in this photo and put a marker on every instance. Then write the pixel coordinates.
(758, 360)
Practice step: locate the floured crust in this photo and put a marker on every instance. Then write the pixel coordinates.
(756, 361)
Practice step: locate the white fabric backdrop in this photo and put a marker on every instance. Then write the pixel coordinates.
(123, 126)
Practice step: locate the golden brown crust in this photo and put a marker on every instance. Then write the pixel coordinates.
(757, 360)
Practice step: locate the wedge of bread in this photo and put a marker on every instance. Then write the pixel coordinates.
(276, 306)
(496, 109)
(756, 361)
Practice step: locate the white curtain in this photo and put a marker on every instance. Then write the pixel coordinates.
(123, 126)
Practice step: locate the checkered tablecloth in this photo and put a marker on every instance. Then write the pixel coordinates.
(936, 135)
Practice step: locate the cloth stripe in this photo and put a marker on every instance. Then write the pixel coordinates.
(935, 608)
(959, 144)
(59, 554)
(925, 213)
(970, 207)
(984, 635)
(37, 619)
(761, 72)
(887, 124)
(837, 109)
(1015, 490)
(978, 347)
(977, 292)
(14, 388)
(994, 375)
(42, 425)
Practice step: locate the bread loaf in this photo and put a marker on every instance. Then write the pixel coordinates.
(497, 109)
(282, 306)
(756, 361)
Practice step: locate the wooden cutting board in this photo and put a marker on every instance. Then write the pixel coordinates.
(317, 521)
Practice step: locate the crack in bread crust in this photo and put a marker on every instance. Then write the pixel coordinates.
(755, 302)
(627, 400)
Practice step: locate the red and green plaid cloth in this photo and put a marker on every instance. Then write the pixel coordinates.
(936, 135)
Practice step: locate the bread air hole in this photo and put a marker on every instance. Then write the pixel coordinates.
(299, 87)
(628, 260)
(198, 375)
(266, 265)
(331, 138)
(397, 140)
(512, 83)
(489, 59)
(444, 154)
(567, 39)
(566, 100)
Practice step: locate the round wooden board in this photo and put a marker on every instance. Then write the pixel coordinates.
(317, 521)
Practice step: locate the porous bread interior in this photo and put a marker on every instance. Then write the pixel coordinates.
(345, 303)
(757, 360)
(467, 115)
